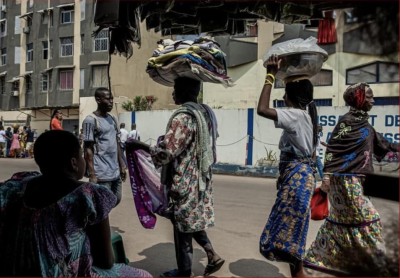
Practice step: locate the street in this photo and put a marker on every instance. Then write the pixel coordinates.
(242, 205)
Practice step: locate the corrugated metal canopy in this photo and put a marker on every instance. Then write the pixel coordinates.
(175, 17)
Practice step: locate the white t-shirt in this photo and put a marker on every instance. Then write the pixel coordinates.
(297, 135)
(2, 136)
(123, 135)
(134, 134)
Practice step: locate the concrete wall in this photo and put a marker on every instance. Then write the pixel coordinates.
(244, 136)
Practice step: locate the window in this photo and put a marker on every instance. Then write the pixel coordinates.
(3, 56)
(29, 52)
(45, 45)
(67, 15)
(66, 80)
(17, 25)
(318, 102)
(15, 86)
(3, 27)
(51, 49)
(45, 81)
(47, 17)
(322, 78)
(377, 72)
(82, 80)
(28, 84)
(2, 85)
(101, 41)
(99, 76)
(67, 46)
(83, 9)
(386, 100)
(279, 103)
(323, 102)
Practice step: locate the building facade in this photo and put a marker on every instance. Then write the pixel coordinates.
(49, 59)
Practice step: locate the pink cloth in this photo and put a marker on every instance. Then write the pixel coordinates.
(15, 142)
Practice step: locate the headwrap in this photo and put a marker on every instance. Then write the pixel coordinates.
(355, 95)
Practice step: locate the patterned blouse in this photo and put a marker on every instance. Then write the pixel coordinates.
(193, 209)
(52, 241)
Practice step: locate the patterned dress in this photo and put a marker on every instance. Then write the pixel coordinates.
(193, 208)
(51, 241)
(353, 228)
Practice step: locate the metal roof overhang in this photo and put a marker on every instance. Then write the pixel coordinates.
(98, 63)
(64, 67)
(26, 14)
(66, 5)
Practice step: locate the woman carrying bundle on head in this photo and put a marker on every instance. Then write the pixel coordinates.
(284, 236)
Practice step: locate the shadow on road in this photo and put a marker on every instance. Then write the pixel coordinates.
(161, 257)
(254, 268)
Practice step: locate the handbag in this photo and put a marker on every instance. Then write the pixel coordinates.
(319, 205)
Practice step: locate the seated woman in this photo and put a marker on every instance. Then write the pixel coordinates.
(51, 224)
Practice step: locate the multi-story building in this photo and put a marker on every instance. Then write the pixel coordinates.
(49, 59)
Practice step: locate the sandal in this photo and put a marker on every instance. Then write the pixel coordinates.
(213, 267)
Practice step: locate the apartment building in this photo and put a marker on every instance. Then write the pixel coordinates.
(49, 59)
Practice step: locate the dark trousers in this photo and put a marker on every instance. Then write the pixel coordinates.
(184, 249)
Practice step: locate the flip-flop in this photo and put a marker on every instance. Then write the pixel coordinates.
(213, 267)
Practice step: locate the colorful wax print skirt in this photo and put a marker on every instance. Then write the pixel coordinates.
(352, 229)
(284, 236)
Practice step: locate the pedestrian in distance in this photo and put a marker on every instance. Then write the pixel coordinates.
(56, 120)
(15, 148)
(102, 150)
(9, 137)
(53, 224)
(134, 133)
(353, 228)
(284, 236)
(123, 137)
(3, 142)
(186, 156)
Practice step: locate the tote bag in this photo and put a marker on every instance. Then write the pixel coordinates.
(319, 205)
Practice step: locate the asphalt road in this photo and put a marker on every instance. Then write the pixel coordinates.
(242, 206)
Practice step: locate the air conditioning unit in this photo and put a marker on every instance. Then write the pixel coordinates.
(3, 8)
(15, 93)
(26, 29)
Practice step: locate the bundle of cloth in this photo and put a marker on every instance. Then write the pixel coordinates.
(149, 195)
(201, 59)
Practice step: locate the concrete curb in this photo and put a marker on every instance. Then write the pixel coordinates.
(251, 171)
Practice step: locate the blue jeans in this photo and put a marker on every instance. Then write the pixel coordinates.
(115, 186)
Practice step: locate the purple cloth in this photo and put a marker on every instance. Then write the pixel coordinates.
(149, 195)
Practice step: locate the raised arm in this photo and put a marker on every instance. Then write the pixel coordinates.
(263, 108)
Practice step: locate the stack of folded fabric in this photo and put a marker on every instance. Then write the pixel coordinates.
(201, 59)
